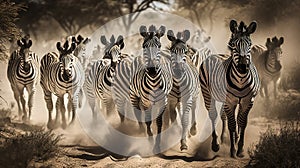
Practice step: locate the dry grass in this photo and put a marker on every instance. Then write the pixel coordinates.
(35, 145)
(277, 148)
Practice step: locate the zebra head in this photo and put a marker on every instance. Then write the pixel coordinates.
(240, 45)
(24, 50)
(178, 51)
(66, 58)
(151, 46)
(274, 51)
(80, 50)
(113, 49)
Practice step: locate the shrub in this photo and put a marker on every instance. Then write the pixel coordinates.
(36, 145)
(277, 149)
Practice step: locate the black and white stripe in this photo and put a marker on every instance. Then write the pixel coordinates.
(267, 62)
(186, 85)
(61, 74)
(152, 81)
(100, 76)
(232, 81)
(23, 73)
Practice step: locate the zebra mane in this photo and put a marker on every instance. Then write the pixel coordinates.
(65, 50)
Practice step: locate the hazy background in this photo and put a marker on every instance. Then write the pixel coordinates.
(50, 21)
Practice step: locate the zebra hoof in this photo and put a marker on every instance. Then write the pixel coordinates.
(156, 149)
(183, 147)
(24, 118)
(215, 147)
(240, 153)
(50, 125)
(64, 125)
(232, 153)
(193, 130)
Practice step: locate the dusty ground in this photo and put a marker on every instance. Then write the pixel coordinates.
(82, 152)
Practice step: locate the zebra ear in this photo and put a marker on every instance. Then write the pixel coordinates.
(233, 26)
(120, 42)
(103, 40)
(251, 28)
(268, 43)
(207, 39)
(66, 45)
(74, 40)
(79, 39)
(143, 31)
(170, 35)
(29, 44)
(72, 48)
(281, 40)
(161, 31)
(87, 40)
(186, 35)
(19, 43)
(58, 46)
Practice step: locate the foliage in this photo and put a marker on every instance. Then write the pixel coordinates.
(280, 149)
(8, 30)
(202, 10)
(268, 13)
(36, 145)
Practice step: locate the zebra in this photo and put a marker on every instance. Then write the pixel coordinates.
(197, 56)
(233, 81)
(61, 74)
(152, 81)
(186, 85)
(80, 51)
(100, 75)
(23, 73)
(268, 64)
(200, 39)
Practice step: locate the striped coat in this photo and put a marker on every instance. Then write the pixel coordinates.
(23, 73)
(267, 62)
(151, 82)
(186, 85)
(232, 81)
(61, 74)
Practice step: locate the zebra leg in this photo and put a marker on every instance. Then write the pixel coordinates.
(193, 130)
(121, 110)
(159, 128)
(63, 114)
(80, 98)
(185, 122)
(69, 107)
(275, 89)
(148, 120)
(230, 113)
(213, 116)
(58, 113)
(23, 102)
(170, 112)
(137, 110)
(31, 92)
(17, 98)
(74, 107)
(224, 120)
(242, 124)
(49, 103)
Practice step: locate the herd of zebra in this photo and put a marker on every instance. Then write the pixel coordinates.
(156, 82)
